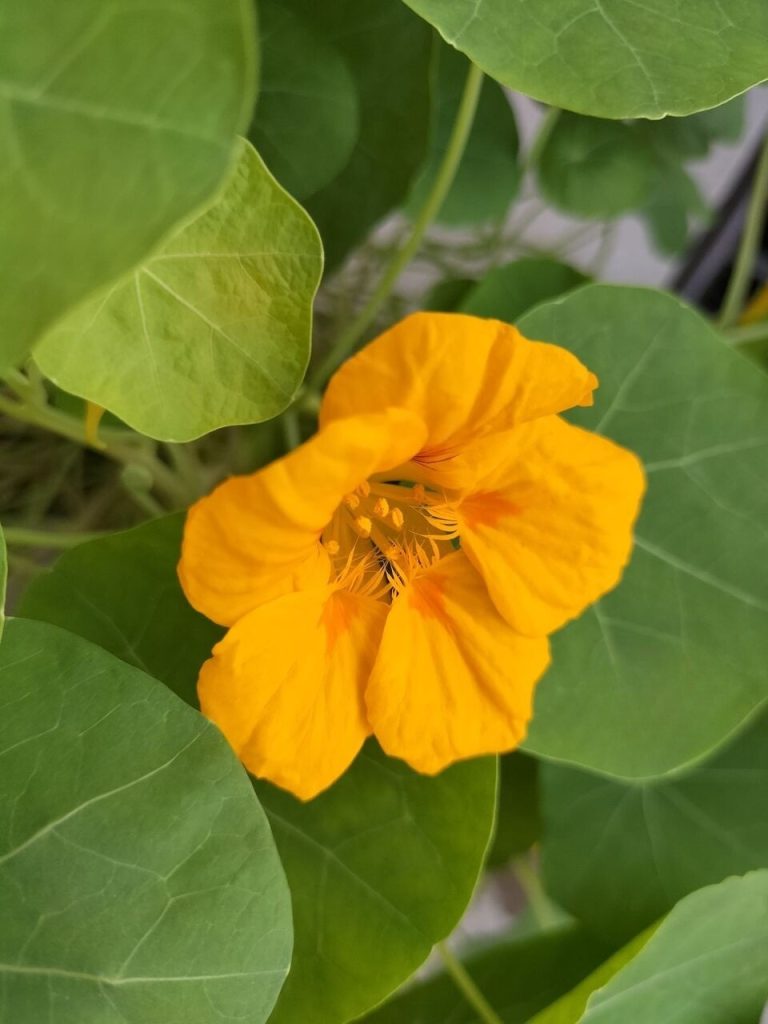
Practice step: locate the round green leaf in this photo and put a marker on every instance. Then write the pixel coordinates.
(116, 121)
(138, 877)
(387, 50)
(595, 168)
(612, 58)
(517, 975)
(213, 330)
(380, 867)
(489, 173)
(518, 819)
(667, 666)
(508, 291)
(640, 847)
(706, 964)
(306, 121)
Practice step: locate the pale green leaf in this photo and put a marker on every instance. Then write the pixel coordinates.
(116, 122)
(517, 975)
(612, 58)
(138, 877)
(670, 664)
(488, 177)
(706, 964)
(213, 330)
(642, 846)
(380, 867)
(306, 122)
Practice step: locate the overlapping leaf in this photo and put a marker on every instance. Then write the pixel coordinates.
(706, 964)
(666, 667)
(380, 867)
(611, 58)
(619, 856)
(307, 118)
(138, 877)
(116, 121)
(508, 291)
(517, 975)
(387, 50)
(213, 330)
(3, 579)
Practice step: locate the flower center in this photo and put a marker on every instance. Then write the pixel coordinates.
(384, 533)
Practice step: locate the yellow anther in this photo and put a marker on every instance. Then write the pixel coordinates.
(364, 488)
(419, 494)
(381, 508)
(363, 526)
(392, 552)
(397, 518)
(332, 547)
(351, 501)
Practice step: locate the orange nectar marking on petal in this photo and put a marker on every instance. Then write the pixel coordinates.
(487, 508)
(381, 508)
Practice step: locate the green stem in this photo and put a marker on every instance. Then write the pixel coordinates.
(538, 901)
(546, 127)
(349, 338)
(127, 452)
(485, 1012)
(745, 333)
(738, 285)
(291, 428)
(20, 537)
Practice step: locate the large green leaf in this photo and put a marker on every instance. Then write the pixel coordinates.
(672, 662)
(306, 122)
(489, 174)
(121, 593)
(138, 877)
(380, 867)
(518, 818)
(116, 121)
(213, 330)
(387, 50)
(612, 58)
(517, 975)
(508, 291)
(706, 964)
(619, 856)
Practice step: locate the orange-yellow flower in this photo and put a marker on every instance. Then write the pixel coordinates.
(399, 573)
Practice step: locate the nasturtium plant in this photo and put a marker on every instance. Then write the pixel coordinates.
(116, 123)
(611, 58)
(384, 598)
(138, 875)
(203, 335)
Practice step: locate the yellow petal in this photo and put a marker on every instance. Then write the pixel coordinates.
(257, 537)
(549, 526)
(464, 376)
(286, 684)
(452, 679)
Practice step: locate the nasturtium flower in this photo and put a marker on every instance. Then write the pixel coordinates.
(399, 573)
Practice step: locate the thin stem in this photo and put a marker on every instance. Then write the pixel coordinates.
(19, 537)
(546, 127)
(349, 338)
(485, 1012)
(538, 901)
(738, 285)
(745, 333)
(291, 428)
(127, 452)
